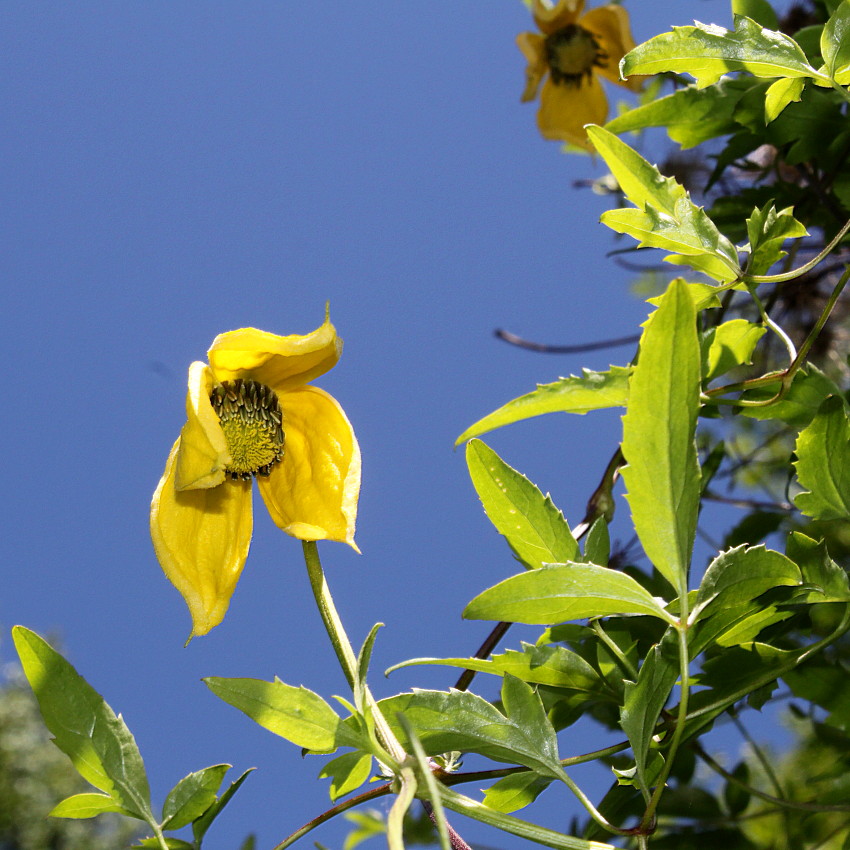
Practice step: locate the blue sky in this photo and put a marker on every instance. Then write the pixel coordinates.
(172, 170)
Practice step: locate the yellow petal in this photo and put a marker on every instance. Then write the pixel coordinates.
(609, 25)
(201, 539)
(550, 18)
(312, 494)
(203, 455)
(532, 46)
(565, 109)
(281, 362)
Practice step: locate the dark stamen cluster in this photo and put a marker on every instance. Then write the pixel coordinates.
(252, 404)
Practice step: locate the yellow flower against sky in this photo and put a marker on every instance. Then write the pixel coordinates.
(252, 413)
(568, 55)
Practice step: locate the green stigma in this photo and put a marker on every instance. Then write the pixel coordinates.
(252, 422)
(571, 53)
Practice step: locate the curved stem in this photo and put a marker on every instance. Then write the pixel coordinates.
(343, 649)
(768, 798)
(372, 794)
(779, 278)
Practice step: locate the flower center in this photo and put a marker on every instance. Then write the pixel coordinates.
(252, 422)
(571, 53)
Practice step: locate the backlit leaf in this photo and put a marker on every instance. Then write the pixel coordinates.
(575, 394)
(534, 528)
(662, 477)
(84, 727)
(708, 51)
(297, 714)
(556, 594)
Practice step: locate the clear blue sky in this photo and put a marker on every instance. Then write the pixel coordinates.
(172, 170)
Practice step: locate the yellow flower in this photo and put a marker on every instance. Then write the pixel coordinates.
(251, 413)
(573, 50)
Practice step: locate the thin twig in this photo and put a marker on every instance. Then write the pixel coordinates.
(529, 345)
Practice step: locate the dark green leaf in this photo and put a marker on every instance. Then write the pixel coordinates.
(759, 10)
(534, 528)
(643, 704)
(823, 463)
(84, 727)
(575, 394)
(559, 593)
(203, 823)
(459, 720)
(828, 581)
(739, 576)
(737, 798)
(192, 796)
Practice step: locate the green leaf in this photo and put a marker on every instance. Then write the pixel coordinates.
(662, 476)
(192, 796)
(767, 230)
(740, 575)
(643, 704)
(575, 394)
(88, 806)
(458, 720)
(534, 528)
(347, 772)
(84, 727)
(704, 295)
(707, 52)
(690, 115)
(555, 594)
(516, 791)
(827, 580)
(665, 216)
(759, 10)
(780, 94)
(171, 843)
(203, 823)
(597, 545)
(823, 463)
(835, 44)
(550, 664)
(523, 707)
(729, 345)
(297, 714)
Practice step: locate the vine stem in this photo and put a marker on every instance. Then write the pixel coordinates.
(679, 731)
(343, 649)
(779, 278)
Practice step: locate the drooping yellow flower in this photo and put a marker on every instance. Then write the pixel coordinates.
(571, 51)
(250, 413)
